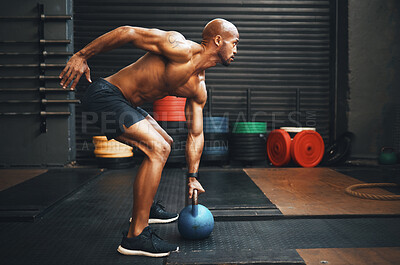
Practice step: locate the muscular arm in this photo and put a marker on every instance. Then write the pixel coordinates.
(171, 44)
(195, 141)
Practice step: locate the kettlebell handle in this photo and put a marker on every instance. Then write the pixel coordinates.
(194, 197)
(385, 148)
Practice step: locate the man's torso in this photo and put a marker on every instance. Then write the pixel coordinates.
(153, 77)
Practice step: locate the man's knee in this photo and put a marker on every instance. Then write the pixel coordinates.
(170, 141)
(160, 150)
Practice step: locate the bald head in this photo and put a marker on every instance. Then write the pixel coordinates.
(219, 26)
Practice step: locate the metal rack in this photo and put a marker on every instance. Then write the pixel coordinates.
(42, 66)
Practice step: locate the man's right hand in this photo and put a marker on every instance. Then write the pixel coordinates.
(75, 68)
(195, 184)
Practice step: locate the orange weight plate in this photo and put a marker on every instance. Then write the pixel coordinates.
(307, 148)
(278, 147)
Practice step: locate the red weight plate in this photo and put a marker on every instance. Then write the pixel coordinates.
(170, 100)
(307, 148)
(169, 108)
(169, 116)
(278, 147)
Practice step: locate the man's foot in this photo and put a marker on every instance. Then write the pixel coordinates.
(146, 244)
(158, 215)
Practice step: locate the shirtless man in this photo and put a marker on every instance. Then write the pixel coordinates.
(172, 66)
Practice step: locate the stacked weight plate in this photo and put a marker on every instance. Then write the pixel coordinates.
(216, 130)
(248, 141)
(111, 153)
(170, 108)
(306, 149)
(170, 113)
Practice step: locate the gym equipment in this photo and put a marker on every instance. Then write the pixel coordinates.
(306, 148)
(169, 108)
(195, 221)
(42, 51)
(247, 141)
(249, 127)
(111, 153)
(337, 153)
(216, 131)
(387, 156)
(278, 147)
(350, 190)
(215, 125)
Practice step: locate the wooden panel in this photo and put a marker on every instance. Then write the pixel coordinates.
(316, 191)
(351, 256)
(12, 177)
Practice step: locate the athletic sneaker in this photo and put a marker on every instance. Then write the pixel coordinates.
(148, 243)
(158, 215)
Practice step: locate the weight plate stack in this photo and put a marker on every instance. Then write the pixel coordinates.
(249, 127)
(111, 153)
(303, 145)
(248, 141)
(169, 108)
(216, 131)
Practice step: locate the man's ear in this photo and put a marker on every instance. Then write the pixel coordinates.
(218, 40)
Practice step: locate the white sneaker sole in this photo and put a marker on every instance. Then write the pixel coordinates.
(129, 252)
(160, 221)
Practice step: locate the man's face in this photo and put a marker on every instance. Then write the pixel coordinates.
(228, 50)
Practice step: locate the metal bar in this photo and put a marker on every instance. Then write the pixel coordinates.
(44, 89)
(41, 89)
(45, 53)
(42, 65)
(56, 101)
(43, 101)
(41, 113)
(35, 41)
(55, 17)
(43, 17)
(55, 41)
(47, 113)
(40, 77)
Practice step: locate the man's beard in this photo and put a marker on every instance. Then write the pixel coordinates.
(224, 62)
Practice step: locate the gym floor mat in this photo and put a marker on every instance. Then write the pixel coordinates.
(317, 191)
(30, 199)
(230, 189)
(86, 229)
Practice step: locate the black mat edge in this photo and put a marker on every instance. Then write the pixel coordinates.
(248, 256)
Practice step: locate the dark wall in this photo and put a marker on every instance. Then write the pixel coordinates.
(373, 97)
(22, 142)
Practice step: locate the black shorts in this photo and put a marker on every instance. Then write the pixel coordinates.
(105, 105)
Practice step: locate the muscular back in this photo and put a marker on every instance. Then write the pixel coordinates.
(167, 69)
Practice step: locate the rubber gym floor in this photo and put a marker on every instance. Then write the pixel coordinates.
(262, 215)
